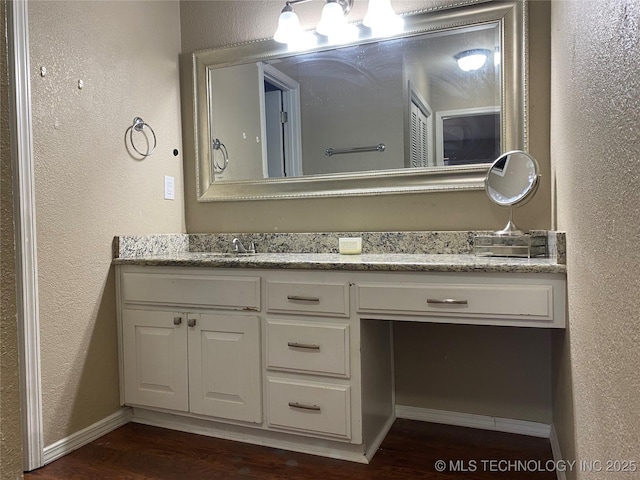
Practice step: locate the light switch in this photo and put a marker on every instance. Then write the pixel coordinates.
(169, 188)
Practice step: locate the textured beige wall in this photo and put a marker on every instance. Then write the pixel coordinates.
(596, 119)
(496, 371)
(89, 189)
(207, 24)
(10, 436)
(527, 353)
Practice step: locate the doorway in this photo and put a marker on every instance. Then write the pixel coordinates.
(281, 124)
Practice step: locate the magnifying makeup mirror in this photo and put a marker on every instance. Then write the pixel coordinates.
(511, 181)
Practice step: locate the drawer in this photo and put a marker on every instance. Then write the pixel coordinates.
(483, 300)
(303, 297)
(315, 348)
(231, 292)
(314, 408)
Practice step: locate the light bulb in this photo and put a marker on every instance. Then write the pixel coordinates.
(471, 60)
(332, 20)
(381, 19)
(288, 27)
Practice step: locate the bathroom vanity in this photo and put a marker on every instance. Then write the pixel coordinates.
(295, 351)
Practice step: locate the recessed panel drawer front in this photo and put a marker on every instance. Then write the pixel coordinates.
(310, 347)
(231, 292)
(316, 408)
(314, 298)
(525, 301)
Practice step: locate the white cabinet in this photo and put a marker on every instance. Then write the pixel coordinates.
(534, 300)
(204, 358)
(316, 348)
(265, 356)
(316, 408)
(224, 366)
(295, 359)
(311, 386)
(308, 298)
(149, 286)
(156, 357)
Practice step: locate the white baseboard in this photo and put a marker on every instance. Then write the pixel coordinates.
(125, 415)
(340, 450)
(483, 422)
(555, 449)
(87, 435)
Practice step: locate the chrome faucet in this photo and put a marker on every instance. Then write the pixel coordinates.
(239, 247)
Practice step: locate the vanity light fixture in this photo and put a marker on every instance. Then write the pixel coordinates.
(471, 60)
(380, 18)
(288, 25)
(332, 20)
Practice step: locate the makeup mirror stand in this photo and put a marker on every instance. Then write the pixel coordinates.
(512, 180)
(511, 229)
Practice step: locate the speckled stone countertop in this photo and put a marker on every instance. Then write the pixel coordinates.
(396, 262)
(430, 252)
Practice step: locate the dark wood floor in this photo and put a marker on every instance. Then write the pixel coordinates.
(410, 451)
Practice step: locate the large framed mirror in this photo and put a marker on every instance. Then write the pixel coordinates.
(377, 116)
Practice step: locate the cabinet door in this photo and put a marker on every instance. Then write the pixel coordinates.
(155, 359)
(224, 366)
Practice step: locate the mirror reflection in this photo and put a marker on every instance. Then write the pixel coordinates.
(405, 103)
(426, 110)
(512, 180)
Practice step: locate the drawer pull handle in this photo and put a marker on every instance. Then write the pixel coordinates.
(300, 298)
(308, 346)
(191, 322)
(304, 406)
(177, 321)
(446, 301)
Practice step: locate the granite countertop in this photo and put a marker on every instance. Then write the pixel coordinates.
(383, 251)
(397, 262)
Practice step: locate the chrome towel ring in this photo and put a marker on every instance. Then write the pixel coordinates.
(138, 126)
(218, 145)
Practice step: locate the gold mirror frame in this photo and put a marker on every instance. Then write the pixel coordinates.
(512, 17)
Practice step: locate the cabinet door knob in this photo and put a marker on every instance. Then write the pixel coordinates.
(191, 322)
(177, 321)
